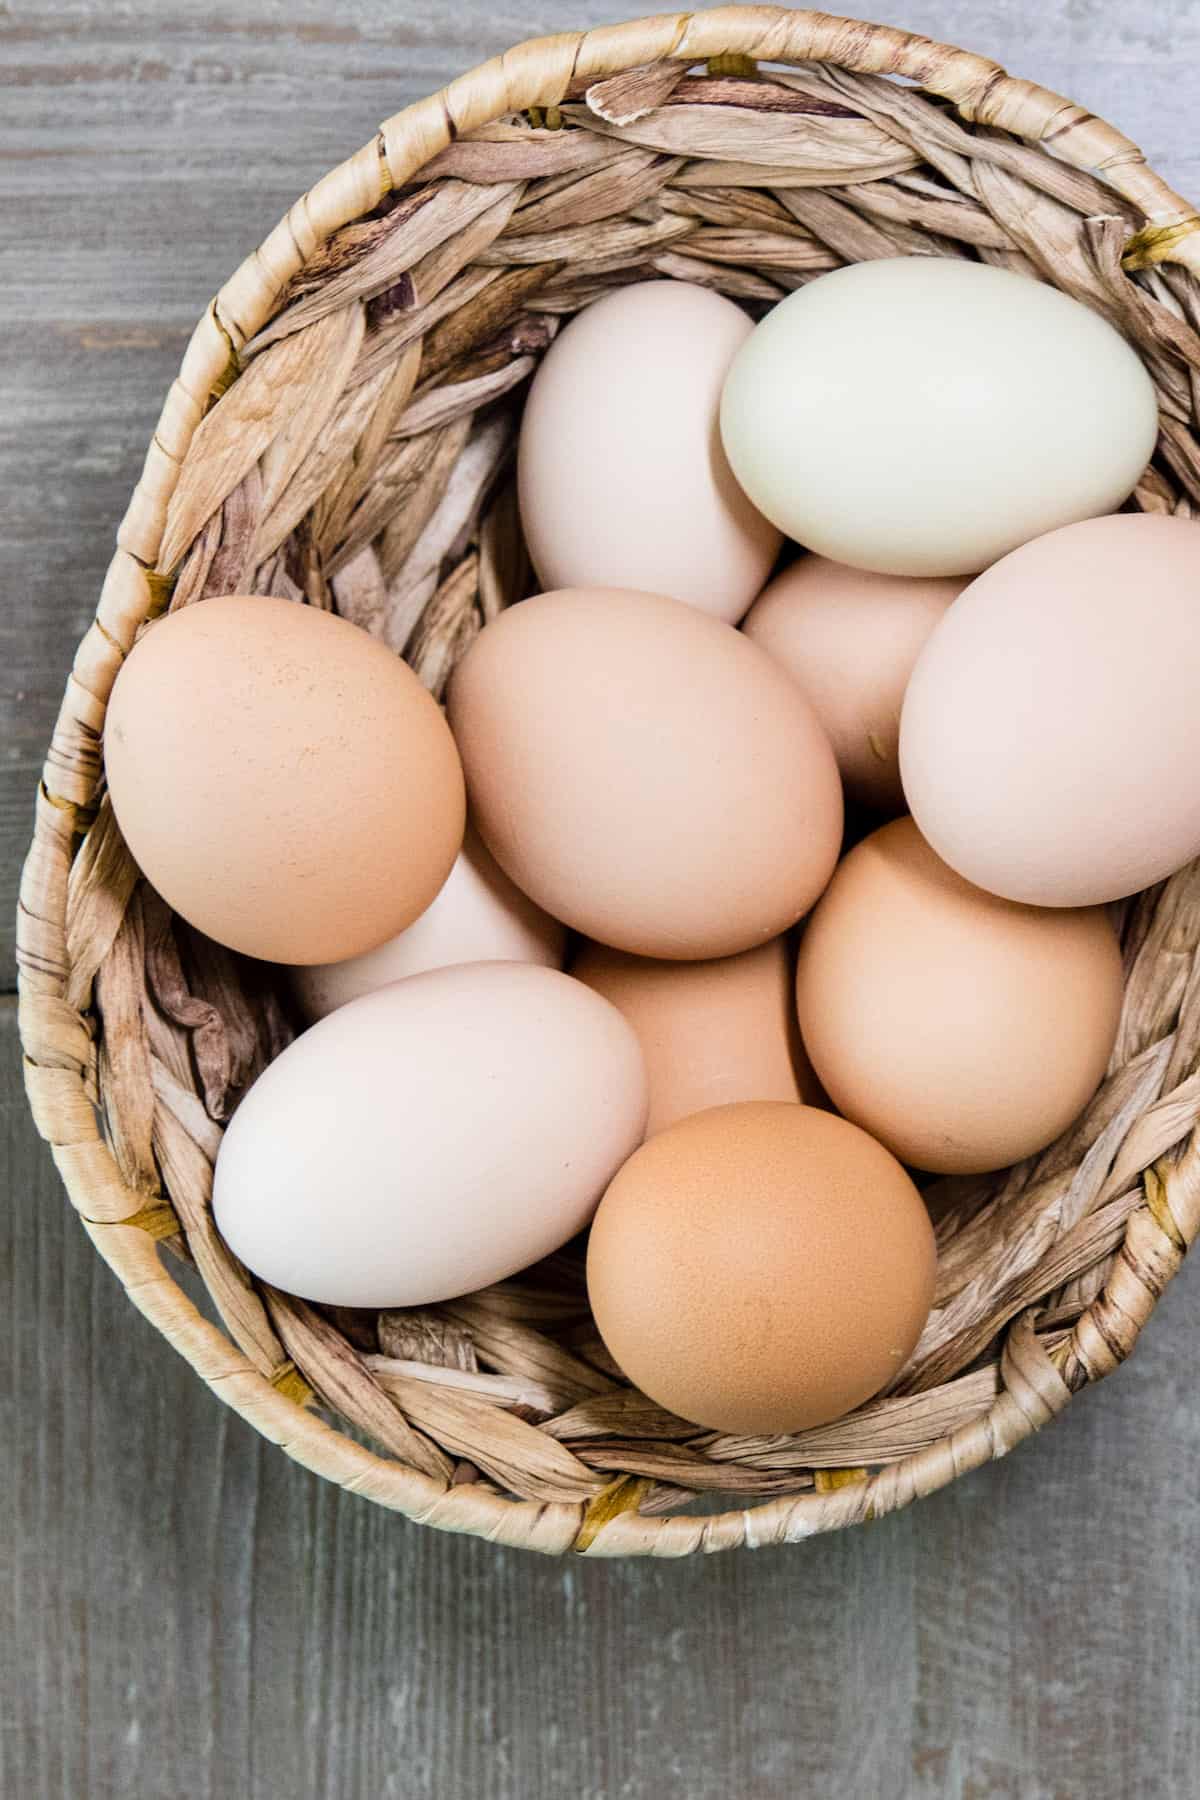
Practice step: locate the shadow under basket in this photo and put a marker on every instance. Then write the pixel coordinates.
(341, 433)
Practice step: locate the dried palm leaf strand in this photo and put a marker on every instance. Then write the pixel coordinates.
(572, 201)
(365, 260)
(527, 1397)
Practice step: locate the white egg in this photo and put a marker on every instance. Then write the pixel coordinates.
(479, 916)
(431, 1137)
(623, 481)
(925, 415)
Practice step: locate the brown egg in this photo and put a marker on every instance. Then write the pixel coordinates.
(962, 1030)
(851, 637)
(282, 778)
(761, 1268)
(645, 773)
(711, 1032)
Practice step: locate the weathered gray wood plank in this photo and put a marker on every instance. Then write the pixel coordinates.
(145, 149)
(185, 1612)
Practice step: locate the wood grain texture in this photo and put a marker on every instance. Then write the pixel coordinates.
(182, 1610)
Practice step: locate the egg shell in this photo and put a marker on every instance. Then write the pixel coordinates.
(850, 637)
(622, 478)
(479, 916)
(282, 778)
(431, 1137)
(646, 773)
(923, 415)
(961, 1030)
(711, 1032)
(1050, 739)
(761, 1268)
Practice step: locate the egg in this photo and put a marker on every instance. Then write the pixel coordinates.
(281, 778)
(622, 479)
(645, 773)
(1050, 739)
(711, 1032)
(850, 638)
(923, 415)
(761, 1267)
(479, 916)
(431, 1137)
(961, 1030)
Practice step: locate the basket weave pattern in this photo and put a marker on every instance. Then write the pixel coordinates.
(340, 433)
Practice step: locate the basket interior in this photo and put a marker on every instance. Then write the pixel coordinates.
(357, 454)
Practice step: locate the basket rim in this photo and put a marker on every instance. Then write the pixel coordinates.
(125, 1225)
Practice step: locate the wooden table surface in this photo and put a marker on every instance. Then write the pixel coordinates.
(183, 1612)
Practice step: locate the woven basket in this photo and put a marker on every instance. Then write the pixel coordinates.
(340, 433)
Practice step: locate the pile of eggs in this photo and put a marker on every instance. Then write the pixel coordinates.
(640, 774)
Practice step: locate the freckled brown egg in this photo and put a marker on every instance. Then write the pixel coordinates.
(645, 773)
(711, 1032)
(962, 1030)
(282, 778)
(761, 1267)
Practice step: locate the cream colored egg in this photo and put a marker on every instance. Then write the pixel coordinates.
(1050, 740)
(623, 481)
(924, 415)
(479, 916)
(431, 1137)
